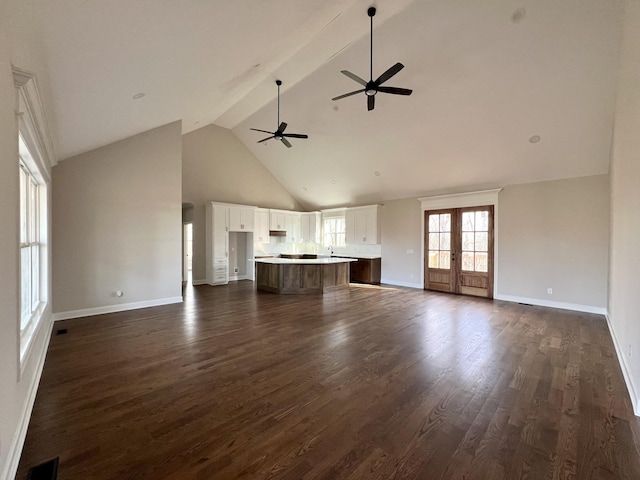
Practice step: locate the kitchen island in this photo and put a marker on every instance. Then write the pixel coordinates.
(302, 276)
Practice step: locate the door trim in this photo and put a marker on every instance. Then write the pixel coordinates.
(462, 200)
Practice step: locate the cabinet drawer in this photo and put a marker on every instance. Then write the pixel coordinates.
(219, 261)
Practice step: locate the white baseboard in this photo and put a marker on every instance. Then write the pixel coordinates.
(199, 282)
(15, 449)
(236, 278)
(546, 303)
(86, 312)
(398, 283)
(622, 360)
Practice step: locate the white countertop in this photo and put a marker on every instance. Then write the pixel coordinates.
(306, 261)
(364, 257)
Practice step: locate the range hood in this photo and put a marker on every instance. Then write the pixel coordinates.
(277, 233)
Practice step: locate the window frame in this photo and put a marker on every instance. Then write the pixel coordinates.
(33, 233)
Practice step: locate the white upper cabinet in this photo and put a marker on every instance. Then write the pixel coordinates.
(261, 231)
(241, 219)
(220, 218)
(277, 220)
(292, 226)
(310, 227)
(362, 225)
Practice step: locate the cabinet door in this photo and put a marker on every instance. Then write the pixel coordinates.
(235, 219)
(220, 219)
(277, 221)
(292, 226)
(305, 223)
(241, 219)
(247, 219)
(360, 220)
(261, 226)
(350, 227)
(372, 232)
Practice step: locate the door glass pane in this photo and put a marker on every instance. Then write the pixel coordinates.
(468, 221)
(445, 260)
(467, 261)
(445, 222)
(445, 241)
(467, 241)
(434, 223)
(440, 241)
(481, 262)
(433, 259)
(482, 242)
(434, 241)
(482, 221)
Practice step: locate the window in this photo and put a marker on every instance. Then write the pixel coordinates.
(33, 228)
(334, 232)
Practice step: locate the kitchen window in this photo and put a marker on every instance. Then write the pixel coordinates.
(334, 232)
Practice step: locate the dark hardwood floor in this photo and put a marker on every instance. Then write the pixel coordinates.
(371, 383)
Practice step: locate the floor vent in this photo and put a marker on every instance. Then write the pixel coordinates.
(45, 471)
(61, 331)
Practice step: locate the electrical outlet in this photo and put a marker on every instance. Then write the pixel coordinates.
(119, 293)
(550, 291)
(235, 269)
(409, 250)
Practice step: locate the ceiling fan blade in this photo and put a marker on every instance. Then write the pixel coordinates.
(286, 142)
(348, 94)
(258, 130)
(282, 127)
(389, 73)
(395, 90)
(371, 102)
(265, 139)
(355, 77)
(295, 135)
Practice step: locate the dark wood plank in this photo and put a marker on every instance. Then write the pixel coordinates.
(365, 382)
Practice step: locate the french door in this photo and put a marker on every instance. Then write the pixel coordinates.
(459, 250)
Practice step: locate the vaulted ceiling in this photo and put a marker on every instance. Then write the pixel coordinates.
(487, 76)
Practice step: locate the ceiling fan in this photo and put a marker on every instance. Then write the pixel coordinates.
(279, 133)
(371, 88)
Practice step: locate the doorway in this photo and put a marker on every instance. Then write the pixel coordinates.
(459, 250)
(187, 252)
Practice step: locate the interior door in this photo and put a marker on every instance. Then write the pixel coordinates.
(459, 250)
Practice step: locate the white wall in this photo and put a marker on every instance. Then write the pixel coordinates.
(16, 391)
(624, 300)
(550, 234)
(216, 166)
(401, 242)
(118, 224)
(555, 235)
